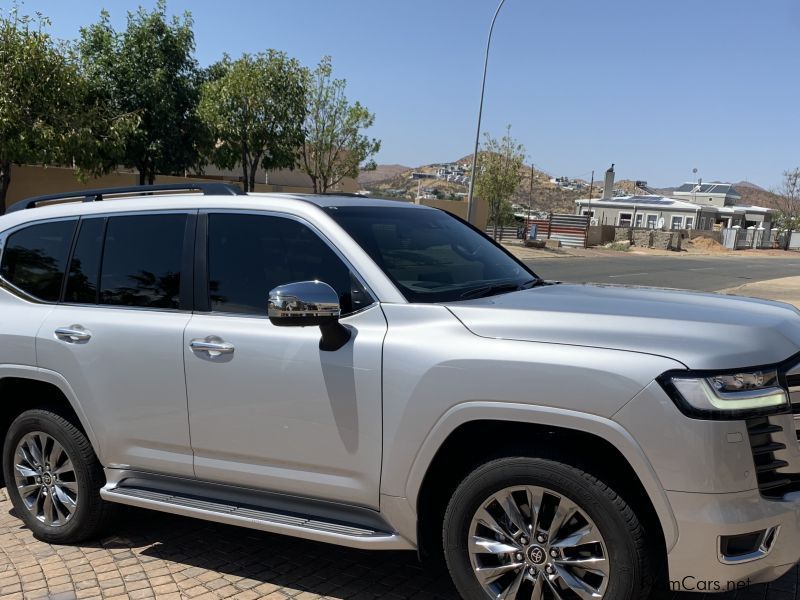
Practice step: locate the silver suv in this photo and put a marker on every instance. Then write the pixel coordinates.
(381, 375)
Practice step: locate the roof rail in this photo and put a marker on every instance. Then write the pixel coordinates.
(208, 189)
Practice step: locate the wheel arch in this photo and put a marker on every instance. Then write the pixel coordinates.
(49, 388)
(462, 439)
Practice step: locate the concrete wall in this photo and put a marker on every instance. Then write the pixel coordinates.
(599, 235)
(28, 181)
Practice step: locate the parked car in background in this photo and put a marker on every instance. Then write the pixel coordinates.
(381, 375)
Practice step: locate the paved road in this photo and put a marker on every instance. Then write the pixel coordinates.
(702, 273)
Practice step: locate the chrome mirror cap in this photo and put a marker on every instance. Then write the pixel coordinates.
(303, 303)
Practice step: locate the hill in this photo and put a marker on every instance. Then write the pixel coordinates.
(398, 182)
(380, 173)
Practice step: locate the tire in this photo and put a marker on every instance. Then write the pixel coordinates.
(60, 503)
(601, 531)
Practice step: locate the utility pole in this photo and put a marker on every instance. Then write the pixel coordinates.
(591, 188)
(471, 208)
(530, 195)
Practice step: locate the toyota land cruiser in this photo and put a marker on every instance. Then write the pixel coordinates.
(382, 375)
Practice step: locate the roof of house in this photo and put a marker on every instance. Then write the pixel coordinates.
(663, 203)
(725, 189)
(648, 201)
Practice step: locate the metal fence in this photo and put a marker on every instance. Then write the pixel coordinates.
(570, 230)
(739, 239)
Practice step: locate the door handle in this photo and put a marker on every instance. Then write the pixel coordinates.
(213, 345)
(74, 334)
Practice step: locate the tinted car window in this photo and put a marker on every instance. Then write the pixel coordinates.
(430, 255)
(35, 258)
(84, 269)
(249, 255)
(142, 261)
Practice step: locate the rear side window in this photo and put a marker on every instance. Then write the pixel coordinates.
(84, 268)
(35, 258)
(142, 261)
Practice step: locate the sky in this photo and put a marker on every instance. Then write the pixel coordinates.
(657, 87)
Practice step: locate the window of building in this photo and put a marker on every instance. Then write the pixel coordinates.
(689, 223)
(249, 255)
(587, 212)
(35, 258)
(639, 220)
(142, 258)
(624, 219)
(676, 223)
(84, 269)
(652, 221)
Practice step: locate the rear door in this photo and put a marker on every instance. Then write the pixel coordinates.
(117, 337)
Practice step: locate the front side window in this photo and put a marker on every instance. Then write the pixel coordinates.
(625, 219)
(34, 259)
(639, 219)
(689, 223)
(676, 222)
(430, 255)
(652, 221)
(142, 257)
(249, 255)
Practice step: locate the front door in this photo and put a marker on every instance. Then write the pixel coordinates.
(268, 409)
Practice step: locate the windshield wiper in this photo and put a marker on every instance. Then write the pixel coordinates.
(499, 288)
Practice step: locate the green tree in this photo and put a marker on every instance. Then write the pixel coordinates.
(149, 70)
(254, 108)
(48, 112)
(334, 146)
(499, 174)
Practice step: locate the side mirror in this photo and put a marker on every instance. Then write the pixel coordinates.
(309, 303)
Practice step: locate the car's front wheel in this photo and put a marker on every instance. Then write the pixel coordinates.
(53, 478)
(540, 529)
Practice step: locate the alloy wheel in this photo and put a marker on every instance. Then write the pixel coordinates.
(531, 542)
(45, 478)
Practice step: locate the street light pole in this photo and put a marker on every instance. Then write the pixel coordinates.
(471, 209)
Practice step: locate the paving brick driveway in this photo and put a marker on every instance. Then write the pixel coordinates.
(152, 555)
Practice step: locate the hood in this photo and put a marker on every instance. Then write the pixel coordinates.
(702, 331)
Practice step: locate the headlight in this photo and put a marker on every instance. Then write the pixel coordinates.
(727, 395)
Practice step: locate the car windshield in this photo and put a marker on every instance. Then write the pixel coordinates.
(432, 256)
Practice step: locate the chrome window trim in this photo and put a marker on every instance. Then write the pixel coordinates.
(325, 239)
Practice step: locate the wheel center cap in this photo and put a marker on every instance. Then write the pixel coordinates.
(47, 479)
(537, 555)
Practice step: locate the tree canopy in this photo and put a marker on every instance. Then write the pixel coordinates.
(149, 70)
(334, 146)
(48, 112)
(254, 108)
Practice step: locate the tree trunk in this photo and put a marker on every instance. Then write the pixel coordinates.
(245, 177)
(142, 174)
(5, 182)
(151, 174)
(253, 170)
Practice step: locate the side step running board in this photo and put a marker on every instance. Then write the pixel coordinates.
(309, 528)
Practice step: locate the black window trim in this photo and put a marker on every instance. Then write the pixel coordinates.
(7, 233)
(185, 297)
(201, 292)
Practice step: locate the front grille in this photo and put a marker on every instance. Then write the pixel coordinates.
(771, 483)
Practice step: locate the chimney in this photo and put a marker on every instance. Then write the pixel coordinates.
(608, 186)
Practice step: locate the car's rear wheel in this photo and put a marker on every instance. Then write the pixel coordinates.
(539, 529)
(53, 478)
